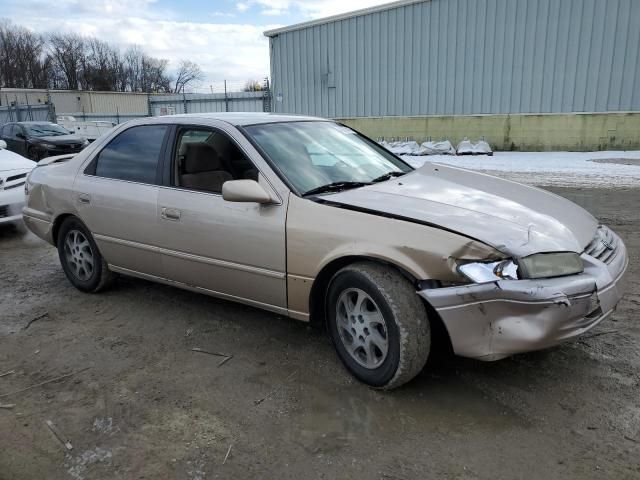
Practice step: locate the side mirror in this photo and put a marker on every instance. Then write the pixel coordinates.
(244, 191)
(3, 145)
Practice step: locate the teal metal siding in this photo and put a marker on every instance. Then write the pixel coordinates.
(461, 57)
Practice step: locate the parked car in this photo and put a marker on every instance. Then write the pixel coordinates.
(36, 140)
(89, 129)
(308, 218)
(13, 174)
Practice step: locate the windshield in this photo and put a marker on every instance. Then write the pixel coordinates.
(46, 130)
(314, 154)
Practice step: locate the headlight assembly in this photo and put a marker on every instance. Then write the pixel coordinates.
(545, 265)
(48, 146)
(540, 265)
(480, 272)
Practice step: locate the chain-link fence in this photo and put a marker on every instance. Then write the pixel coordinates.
(45, 105)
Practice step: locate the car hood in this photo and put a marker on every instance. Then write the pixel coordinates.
(13, 161)
(516, 219)
(59, 139)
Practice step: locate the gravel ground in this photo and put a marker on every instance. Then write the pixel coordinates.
(150, 407)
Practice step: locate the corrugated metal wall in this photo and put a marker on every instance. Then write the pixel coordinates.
(456, 57)
(207, 102)
(68, 101)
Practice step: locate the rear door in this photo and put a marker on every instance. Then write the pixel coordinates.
(117, 195)
(235, 250)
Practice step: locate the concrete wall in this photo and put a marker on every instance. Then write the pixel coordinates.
(573, 132)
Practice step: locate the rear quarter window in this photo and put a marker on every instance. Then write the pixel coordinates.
(132, 156)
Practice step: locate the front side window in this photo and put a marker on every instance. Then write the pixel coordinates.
(205, 158)
(313, 155)
(133, 155)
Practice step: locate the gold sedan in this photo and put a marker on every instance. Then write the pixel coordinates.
(307, 218)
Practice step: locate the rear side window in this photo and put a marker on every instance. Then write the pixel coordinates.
(133, 155)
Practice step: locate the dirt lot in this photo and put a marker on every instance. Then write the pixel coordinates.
(150, 407)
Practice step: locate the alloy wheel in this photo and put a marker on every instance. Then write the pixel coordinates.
(79, 255)
(362, 328)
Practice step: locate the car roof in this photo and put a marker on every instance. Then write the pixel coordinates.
(245, 118)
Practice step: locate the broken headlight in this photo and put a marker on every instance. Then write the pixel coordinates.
(481, 272)
(545, 265)
(540, 265)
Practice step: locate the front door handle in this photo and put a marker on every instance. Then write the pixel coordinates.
(170, 214)
(84, 198)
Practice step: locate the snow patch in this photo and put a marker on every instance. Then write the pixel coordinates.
(80, 464)
(598, 169)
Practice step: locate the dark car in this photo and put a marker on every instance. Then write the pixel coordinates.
(36, 140)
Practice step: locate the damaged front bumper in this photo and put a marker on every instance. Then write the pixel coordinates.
(490, 321)
(11, 203)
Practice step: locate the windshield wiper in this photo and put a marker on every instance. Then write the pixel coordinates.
(335, 187)
(387, 176)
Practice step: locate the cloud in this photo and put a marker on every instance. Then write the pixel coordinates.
(224, 50)
(311, 9)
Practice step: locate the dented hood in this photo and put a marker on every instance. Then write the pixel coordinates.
(516, 219)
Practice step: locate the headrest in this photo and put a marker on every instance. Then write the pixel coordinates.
(200, 157)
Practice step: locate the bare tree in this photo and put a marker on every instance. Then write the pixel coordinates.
(23, 62)
(189, 73)
(67, 52)
(252, 86)
(69, 61)
(100, 65)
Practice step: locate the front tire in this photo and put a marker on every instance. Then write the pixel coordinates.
(33, 154)
(80, 258)
(378, 324)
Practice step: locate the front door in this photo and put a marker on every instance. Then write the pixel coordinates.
(234, 250)
(16, 140)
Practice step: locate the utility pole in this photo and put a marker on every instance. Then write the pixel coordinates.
(226, 99)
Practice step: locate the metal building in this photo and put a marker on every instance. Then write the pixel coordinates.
(453, 57)
(461, 57)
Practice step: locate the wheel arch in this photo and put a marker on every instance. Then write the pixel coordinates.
(57, 223)
(320, 287)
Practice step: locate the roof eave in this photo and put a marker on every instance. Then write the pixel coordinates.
(342, 16)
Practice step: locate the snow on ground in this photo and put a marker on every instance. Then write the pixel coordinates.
(595, 169)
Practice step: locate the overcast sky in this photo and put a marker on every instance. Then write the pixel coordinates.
(225, 37)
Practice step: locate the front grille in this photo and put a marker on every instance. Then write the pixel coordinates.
(15, 185)
(604, 245)
(16, 177)
(4, 211)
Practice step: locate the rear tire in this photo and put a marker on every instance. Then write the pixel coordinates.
(378, 324)
(80, 258)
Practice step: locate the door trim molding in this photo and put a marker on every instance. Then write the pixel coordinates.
(195, 258)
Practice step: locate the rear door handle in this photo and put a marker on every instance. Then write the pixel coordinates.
(84, 198)
(170, 214)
